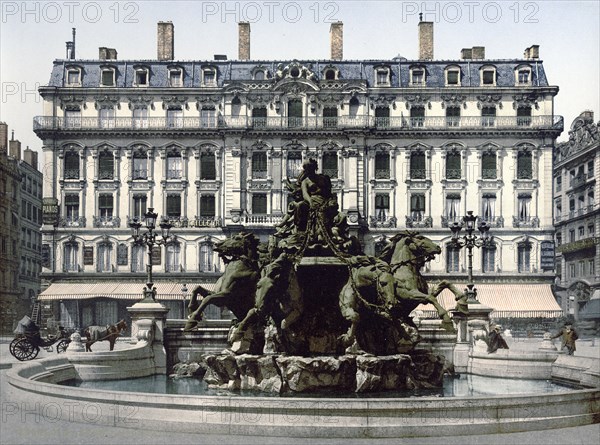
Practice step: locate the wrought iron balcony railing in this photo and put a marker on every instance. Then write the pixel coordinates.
(107, 221)
(72, 221)
(306, 123)
(261, 219)
(383, 221)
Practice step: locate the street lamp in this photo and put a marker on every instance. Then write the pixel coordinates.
(184, 291)
(470, 240)
(150, 239)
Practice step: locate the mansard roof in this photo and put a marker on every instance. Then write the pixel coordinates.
(239, 71)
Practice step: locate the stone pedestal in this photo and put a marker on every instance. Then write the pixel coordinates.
(75, 345)
(478, 316)
(148, 324)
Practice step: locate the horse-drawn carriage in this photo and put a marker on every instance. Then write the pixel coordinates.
(28, 341)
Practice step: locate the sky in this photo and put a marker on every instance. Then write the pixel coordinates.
(33, 34)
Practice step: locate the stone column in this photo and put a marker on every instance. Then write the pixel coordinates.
(477, 314)
(148, 323)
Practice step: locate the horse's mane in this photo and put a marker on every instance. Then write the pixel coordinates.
(388, 251)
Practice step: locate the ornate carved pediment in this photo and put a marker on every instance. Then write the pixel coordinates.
(72, 101)
(106, 101)
(174, 101)
(208, 101)
(295, 87)
(525, 100)
(454, 100)
(257, 99)
(137, 102)
(260, 145)
(295, 70)
(489, 99)
(330, 145)
(383, 100)
(415, 100)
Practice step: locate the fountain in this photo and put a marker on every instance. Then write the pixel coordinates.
(317, 318)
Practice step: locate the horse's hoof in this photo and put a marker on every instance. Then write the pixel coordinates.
(190, 325)
(448, 326)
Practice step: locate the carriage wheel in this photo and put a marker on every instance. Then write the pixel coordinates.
(11, 347)
(62, 346)
(23, 350)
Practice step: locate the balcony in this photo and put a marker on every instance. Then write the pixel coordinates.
(579, 212)
(72, 221)
(305, 123)
(580, 180)
(527, 221)
(106, 221)
(419, 221)
(447, 221)
(261, 220)
(381, 222)
(493, 221)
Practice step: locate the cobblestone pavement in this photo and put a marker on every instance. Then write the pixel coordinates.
(30, 425)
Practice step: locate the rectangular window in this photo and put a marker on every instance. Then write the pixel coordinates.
(73, 77)
(105, 206)
(294, 113)
(453, 116)
(581, 268)
(330, 117)
(558, 183)
(418, 77)
(330, 164)
(453, 166)
(259, 204)
(173, 259)
(139, 206)
(208, 169)
(140, 118)
(488, 208)
(417, 116)
(452, 211)
(488, 77)
(524, 208)
(71, 257)
(488, 166)
(106, 166)
(382, 77)
(72, 118)
(524, 77)
(524, 116)
(140, 167)
(524, 253)
(71, 166)
(108, 78)
(382, 165)
(572, 271)
(452, 259)
(259, 117)
(208, 118)
(138, 258)
(207, 206)
(453, 77)
(141, 78)
(206, 258)
(581, 231)
(175, 78)
(488, 255)
(72, 207)
(382, 117)
(488, 116)
(209, 78)
(590, 169)
(382, 206)
(293, 164)
(524, 165)
(173, 206)
(591, 268)
(591, 231)
(572, 235)
(104, 258)
(417, 207)
(417, 166)
(174, 166)
(259, 165)
(175, 118)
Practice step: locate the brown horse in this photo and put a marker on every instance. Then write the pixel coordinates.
(101, 333)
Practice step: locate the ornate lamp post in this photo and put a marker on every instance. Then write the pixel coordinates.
(150, 239)
(184, 291)
(470, 240)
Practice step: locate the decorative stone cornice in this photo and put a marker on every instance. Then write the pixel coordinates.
(106, 101)
(489, 99)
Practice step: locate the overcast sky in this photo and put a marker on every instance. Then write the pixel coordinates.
(33, 34)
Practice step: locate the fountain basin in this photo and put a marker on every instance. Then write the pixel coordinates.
(300, 417)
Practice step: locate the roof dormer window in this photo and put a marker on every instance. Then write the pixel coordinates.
(488, 76)
(259, 75)
(523, 75)
(417, 77)
(209, 77)
(382, 76)
(330, 73)
(73, 77)
(107, 77)
(141, 77)
(452, 76)
(175, 77)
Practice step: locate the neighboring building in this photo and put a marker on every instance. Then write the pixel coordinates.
(10, 252)
(209, 144)
(31, 235)
(577, 218)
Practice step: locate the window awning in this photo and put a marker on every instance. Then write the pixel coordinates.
(119, 291)
(508, 300)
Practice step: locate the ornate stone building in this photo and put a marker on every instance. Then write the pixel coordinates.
(209, 144)
(577, 218)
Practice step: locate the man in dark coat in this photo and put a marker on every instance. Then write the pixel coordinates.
(568, 336)
(495, 340)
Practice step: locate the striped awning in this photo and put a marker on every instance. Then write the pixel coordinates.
(120, 291)
(508, 300)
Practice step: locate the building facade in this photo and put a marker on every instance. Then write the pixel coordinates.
(10, 229)
(210, 145)
(577, 218)
(31, 235)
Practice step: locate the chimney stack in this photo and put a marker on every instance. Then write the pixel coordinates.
(336, 39)
(30, 157)
(478, 52)
(533, 52)
(3, 136)
(166, 41)
(425, 40)
(244, 41)
(14, 147)
(107, 53)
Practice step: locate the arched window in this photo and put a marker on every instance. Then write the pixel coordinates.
(236, 107)
(354, 105)
(330, 74)
(382, 165)
(174, 164)
(524, 165)
(140, 164)
(208, 169)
